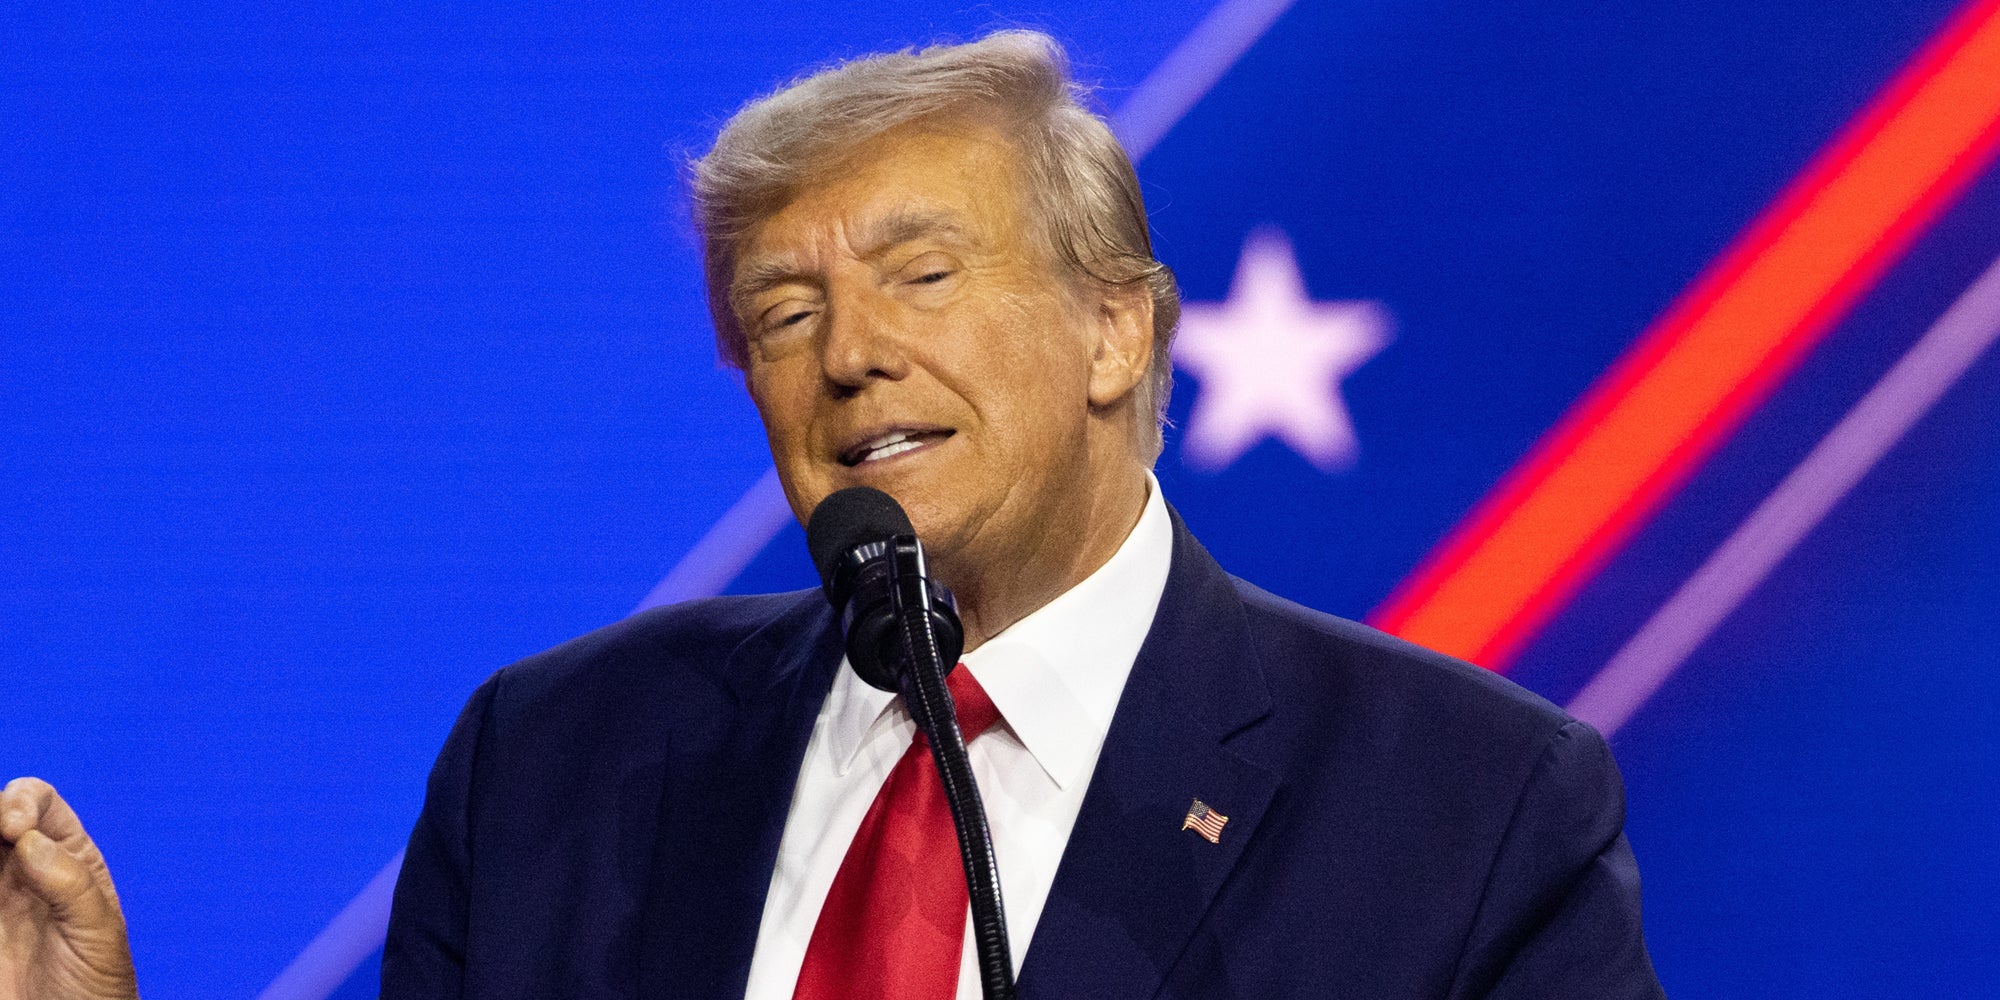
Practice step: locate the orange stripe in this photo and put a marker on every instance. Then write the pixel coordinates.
(1718, 351)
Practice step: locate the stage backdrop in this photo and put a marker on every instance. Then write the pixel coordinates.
(1639, 351)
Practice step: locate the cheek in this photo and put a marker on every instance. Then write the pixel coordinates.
(1048, 359)
(1032, 383)
(785, 414)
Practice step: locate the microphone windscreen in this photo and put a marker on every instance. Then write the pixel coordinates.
(850, 517)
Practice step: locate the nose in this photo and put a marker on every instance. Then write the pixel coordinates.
(863, 342)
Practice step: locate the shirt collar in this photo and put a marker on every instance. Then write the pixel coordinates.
(1056, 674)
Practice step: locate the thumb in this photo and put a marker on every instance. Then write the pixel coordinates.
(60, 878)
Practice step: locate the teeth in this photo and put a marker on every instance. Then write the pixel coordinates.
(888, 445)
(901, 444)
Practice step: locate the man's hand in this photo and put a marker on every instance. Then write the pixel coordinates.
(62, 936)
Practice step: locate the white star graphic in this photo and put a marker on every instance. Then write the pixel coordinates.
(1270, 361)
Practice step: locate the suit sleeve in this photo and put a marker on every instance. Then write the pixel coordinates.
(424, 955)
(1560, 912)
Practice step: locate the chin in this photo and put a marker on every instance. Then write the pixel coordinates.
(941, 525)
(928, 514)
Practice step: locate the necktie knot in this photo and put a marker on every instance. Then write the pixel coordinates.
(975, 709)
(969, 701)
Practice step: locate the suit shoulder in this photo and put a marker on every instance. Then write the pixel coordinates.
(1318, 656)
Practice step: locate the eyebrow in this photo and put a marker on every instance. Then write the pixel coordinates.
(903, 227)
(877, 238)
(760, 277)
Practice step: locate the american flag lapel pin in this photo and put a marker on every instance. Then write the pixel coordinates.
(1205, 821)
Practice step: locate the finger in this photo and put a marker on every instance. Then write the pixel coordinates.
(21, 804)
(32, 804)
(20, 807)
(61, 879)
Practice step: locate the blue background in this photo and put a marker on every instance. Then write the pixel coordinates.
(346, 357)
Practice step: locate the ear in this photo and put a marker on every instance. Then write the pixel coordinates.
(1122, 351)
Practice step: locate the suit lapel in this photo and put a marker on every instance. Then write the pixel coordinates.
(1133, 885)
(723, 811)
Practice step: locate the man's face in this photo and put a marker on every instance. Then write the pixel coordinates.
(907, 332)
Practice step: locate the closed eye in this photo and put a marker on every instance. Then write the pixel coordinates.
(787, 313)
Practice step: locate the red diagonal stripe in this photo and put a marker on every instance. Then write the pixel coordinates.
(1720, 349)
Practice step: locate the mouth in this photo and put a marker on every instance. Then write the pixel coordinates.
(884, 445)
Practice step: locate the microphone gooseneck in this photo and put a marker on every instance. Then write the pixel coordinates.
(903, 634)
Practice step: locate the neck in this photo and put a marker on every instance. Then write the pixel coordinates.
(1000, 592)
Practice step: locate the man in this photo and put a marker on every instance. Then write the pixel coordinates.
(933, 270)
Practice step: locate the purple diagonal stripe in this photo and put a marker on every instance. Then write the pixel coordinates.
(1194, 67)
(1908, 391)
(743, 530)
(1154, 107)
(347, 941)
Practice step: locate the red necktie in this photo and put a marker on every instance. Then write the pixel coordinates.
(893, 927)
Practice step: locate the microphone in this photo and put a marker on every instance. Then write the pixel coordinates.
(903, 635)
(872, 567)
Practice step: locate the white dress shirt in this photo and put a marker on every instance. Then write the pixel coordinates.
(1055, 676)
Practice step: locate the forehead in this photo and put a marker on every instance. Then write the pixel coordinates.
(960, 184)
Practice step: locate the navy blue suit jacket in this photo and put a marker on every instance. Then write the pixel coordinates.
(605, 817)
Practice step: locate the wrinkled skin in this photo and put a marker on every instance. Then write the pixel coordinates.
(907, 290)
(62, 935)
